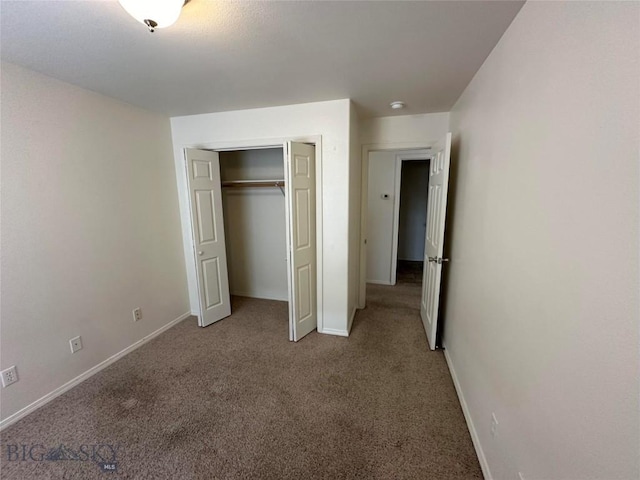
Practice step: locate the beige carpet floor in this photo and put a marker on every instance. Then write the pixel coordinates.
(238, 400)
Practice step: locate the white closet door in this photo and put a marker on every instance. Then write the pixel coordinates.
(301, 202)
(434, 242)
(205, 194)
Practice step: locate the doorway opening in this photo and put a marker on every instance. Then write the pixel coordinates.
(253, 228)
(380, 254)
(398, 182)
(255, 222)
(412, 221)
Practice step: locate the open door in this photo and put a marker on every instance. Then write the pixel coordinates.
(205, 199)
(434, 237)
(301, 204)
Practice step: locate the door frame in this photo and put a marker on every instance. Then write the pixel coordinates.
(364, 201)
(424, 155)
(260, 144)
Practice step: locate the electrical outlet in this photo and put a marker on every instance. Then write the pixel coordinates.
(75, 344)
(494, 425)
(9, 376)
(137, 314)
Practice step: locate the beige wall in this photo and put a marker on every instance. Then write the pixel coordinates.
(541, 323)
(325, 122)
(381, 181)
(405, 131)
(355, 181)
(90, 230)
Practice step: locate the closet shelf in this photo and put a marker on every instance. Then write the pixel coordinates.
(253, 183)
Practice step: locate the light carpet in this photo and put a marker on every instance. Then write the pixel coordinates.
(238, 400)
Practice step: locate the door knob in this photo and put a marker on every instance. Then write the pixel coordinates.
(438, 260)
(200, 252)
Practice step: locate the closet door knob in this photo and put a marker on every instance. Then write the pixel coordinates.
(200, 252)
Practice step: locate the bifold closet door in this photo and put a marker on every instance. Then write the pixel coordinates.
(301, 203)
(205, 196)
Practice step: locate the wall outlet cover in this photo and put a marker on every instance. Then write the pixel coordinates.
(75, 344)
(9, 376)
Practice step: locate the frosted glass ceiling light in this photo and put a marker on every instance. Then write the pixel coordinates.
(154, 13)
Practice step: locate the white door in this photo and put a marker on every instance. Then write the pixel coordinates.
(301, 205)
(205, 194)
(434, 237)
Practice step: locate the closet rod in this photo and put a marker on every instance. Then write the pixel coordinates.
(253, 183)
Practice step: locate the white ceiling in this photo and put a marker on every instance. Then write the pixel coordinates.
(234, 55)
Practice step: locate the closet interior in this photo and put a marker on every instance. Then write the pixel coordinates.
(253, 202)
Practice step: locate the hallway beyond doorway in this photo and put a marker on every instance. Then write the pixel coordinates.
(409, 272)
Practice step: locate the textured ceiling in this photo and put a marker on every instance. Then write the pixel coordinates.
(234, 55)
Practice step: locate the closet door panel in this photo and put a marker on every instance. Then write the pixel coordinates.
(205, 194)
(302, 241)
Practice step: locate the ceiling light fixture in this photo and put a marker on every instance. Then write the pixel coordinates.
(397, 105)
(154, 13)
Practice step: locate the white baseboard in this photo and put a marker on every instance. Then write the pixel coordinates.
(260, 296)
(335, 331)
(83, 376)
(467, 416)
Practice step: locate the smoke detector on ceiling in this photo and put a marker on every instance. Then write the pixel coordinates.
(397, 105)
